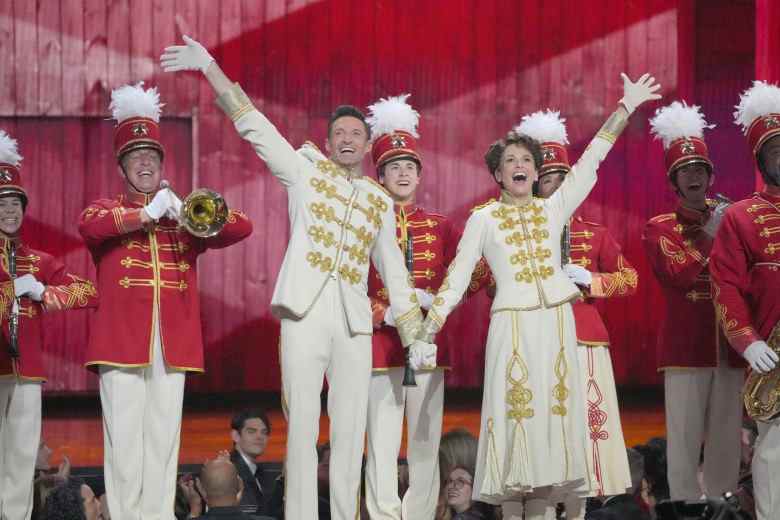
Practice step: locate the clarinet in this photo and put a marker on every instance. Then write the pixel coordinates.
(409, 257)
(13, 320)
(565, 245)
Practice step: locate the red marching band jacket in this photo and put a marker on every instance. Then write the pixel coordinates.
(745, 267)
(141, 271)
(592, 247)
(435, 241)
(679, 251)
(63, 291)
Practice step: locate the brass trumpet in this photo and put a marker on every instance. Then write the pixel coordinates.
(203, 212)
(761, 392)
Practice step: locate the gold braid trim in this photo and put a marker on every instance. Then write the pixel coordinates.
(234, 102)
(408, 325)
(614, 126)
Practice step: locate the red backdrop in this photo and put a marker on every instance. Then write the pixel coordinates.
(473, 68)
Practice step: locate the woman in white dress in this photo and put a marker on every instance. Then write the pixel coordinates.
(532, 443)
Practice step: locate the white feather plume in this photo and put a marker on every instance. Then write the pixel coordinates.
(9, 153)
(676, 121)
(544, 126)
(759, 100)
(391, 114)
(134, 101)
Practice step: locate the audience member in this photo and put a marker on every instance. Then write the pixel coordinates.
(104, 513)
(457, 448)
(250, 430)
(42, 487)
(71, 500)
(458, 487)
(625, 506)
(222, 489)
(655, 486)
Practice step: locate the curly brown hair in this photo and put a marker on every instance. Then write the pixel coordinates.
(496, 150)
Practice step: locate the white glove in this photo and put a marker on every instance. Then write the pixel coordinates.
(578, 274)
(424, 298)
(175, 210)
(634, 94)
(762, 359)
(388, 319)
(28, 285)
(161, 203)
(191, 56)
(712, 225)
(422, 355)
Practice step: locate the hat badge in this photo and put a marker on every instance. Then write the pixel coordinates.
(140, 129)
(771, 122)
(398, 141)
(548, 154)
(687, 148)
(5, 175)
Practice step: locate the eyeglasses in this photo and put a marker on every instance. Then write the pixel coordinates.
(458, 483)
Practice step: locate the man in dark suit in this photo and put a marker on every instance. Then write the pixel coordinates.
(222, 487)
(250, 430)
(625, 506)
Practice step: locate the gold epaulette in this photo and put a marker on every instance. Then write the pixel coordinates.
(483, 205)
(372, 181)
(658, 219)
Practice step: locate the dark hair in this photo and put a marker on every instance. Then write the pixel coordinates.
(496, 150)
(636, 467)
(239, 420)
(768, 179)
(65, 502)
(348, 111)
(654, 454)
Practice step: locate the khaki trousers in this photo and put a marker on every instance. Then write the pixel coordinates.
(320, 344)
(703, 405)
(20, 434)
(141, 430)
(423, 404)
(766, 471)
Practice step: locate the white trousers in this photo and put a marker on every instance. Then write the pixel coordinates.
(530, 509)
(141, 428)
(423, 404)
(316, 345)
(766, 471)
(703, 405)
(20, 434)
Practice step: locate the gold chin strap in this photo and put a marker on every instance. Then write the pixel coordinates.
(614, 126)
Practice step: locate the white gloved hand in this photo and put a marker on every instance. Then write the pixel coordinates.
(191, 56)
(712, 225)
(28, 285)
(388, 319)
(634, 94)
(175, 210)
(424, 298)
(422, 355)
(762, 359)
(578, 274)
(160, 204)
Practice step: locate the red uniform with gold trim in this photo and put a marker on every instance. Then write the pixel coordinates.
(140, 270)
(593, 248)
(679, 252)
(435, 242)
(746, 269)
(63, 291)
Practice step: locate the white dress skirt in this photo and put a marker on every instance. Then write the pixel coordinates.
(607, 459)
(533, 436)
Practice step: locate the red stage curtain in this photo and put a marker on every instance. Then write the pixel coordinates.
(473, 68)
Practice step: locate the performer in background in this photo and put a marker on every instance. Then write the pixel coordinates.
(745, 278)
(428, 241)
(702, 380)
(31, 283)
(339, 219)
(532, 443)
(146, 333)
(597, 266)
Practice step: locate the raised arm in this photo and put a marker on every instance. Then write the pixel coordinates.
(251, 125)
(580, 181)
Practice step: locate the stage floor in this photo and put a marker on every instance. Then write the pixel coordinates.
(72, 426)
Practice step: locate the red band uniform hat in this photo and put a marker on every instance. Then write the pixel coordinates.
(137, 113)
(393, 125)
(680, 127)
(10, 178)
(758, 113)
(549, 129)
